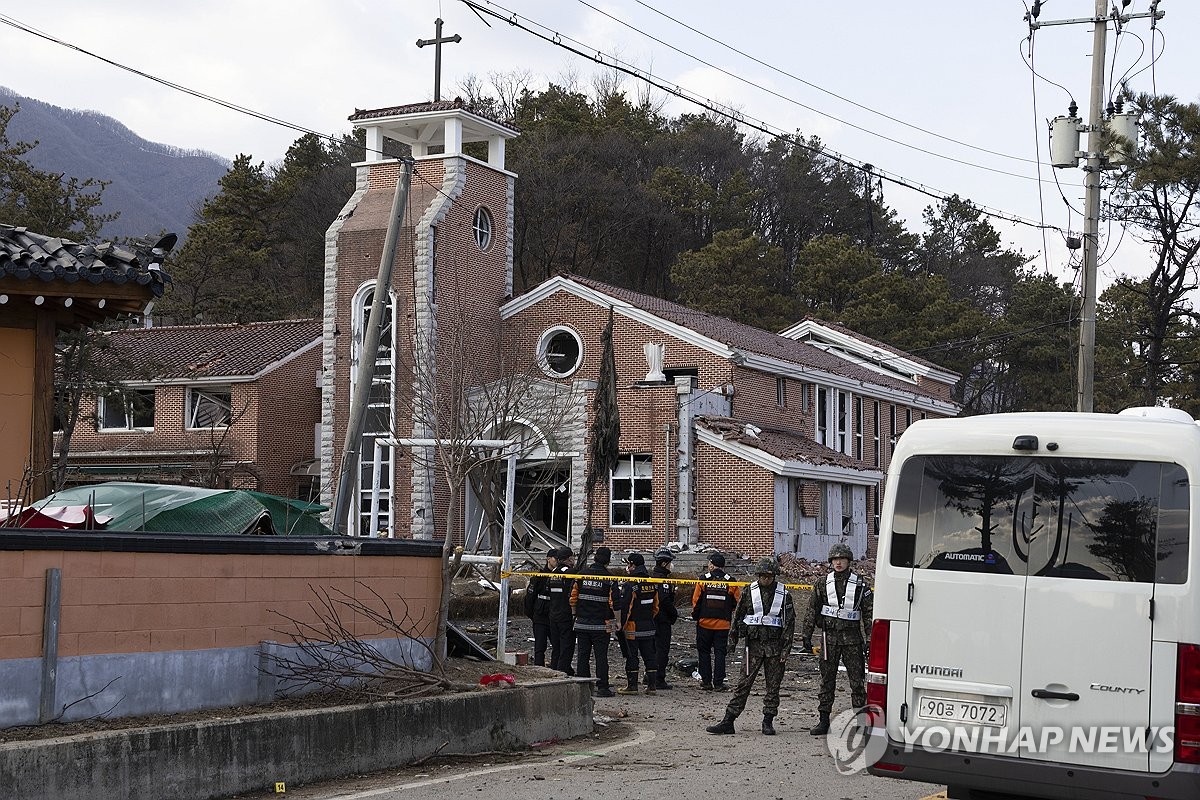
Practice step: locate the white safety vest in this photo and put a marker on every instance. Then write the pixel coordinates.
(835, 608)
(773, 617)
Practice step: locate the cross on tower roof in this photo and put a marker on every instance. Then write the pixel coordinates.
(437, 41)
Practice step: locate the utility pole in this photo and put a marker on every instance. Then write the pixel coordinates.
(1091, 216)
(367, 354)
(1095, 160)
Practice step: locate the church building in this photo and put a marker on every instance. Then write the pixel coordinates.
(731, 436)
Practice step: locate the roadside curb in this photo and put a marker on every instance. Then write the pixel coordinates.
(217, 759)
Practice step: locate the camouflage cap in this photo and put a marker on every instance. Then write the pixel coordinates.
(840, 551)
(766, 566)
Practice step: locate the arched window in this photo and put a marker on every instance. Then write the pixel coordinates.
(381, 403)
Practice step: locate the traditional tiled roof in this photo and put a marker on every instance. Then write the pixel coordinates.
(778, 443)
(361, 114)
(29, 256)
(191, 352)
(747, 338)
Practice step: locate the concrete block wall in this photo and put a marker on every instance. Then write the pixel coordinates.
(146, 631)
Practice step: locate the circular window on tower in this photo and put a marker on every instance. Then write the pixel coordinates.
(560, 351)
(483, 228)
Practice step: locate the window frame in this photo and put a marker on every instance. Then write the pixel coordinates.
(130, 425)
(483, 225)
(544, 344)
(189, 406)
(781, 391)
(381, 404)
(631, 500)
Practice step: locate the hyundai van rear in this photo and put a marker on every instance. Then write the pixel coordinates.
(1037, 625)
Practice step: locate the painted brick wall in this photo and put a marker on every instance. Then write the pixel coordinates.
(121, 602)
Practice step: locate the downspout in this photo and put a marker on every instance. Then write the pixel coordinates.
(667, 523)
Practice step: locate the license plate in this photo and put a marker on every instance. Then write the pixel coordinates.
(948, 709)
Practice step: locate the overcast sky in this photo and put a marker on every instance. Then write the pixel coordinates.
(952, 67)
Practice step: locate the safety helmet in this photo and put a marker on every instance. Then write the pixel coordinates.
(664, 554)
(766, 565)
(840, 551)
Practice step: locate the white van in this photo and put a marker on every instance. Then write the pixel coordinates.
(1037, 617)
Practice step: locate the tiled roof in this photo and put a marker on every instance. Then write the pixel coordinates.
(28, 256)
(205, 351)
(423, 108)
(781, 444)
(739, 336)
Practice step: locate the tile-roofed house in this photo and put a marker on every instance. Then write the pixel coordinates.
(48, 284)
(219, 405)
(731, 436)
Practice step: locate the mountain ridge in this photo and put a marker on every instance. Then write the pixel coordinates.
(156, 187)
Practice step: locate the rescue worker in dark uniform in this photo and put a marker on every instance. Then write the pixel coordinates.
(537, 607)
(639, 607)
(566, 565)
(841, 608)
(766, 618)
(562, 637)
(667, 614)
(712, 608)
(594, 601)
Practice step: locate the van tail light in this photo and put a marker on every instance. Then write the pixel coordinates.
(1187, 705)
(877, 671)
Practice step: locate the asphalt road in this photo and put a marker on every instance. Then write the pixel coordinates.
(658, 741)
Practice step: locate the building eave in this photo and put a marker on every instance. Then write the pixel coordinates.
(790, 468)
(558, 283)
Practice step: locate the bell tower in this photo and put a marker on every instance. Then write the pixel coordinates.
(452, 271)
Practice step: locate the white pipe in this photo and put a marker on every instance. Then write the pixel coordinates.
(374, 529)
(506, 558)
(472, 558)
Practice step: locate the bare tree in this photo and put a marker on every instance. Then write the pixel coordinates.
(458, 398)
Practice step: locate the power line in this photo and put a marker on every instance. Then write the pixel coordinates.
(811, 85)
(163, 81)
(612, 62)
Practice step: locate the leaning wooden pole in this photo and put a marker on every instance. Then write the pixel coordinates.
(366, 354)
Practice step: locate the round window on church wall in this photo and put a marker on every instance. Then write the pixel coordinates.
(560, 351)
(483, 228)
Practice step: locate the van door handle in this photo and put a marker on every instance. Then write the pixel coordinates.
(1046, 694)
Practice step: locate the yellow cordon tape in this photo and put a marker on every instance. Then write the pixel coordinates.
(639, 579)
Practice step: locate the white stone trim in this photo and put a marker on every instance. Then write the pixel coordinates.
(328, 346)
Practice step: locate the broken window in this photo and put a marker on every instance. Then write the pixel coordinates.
(209, 408)
(631, 495)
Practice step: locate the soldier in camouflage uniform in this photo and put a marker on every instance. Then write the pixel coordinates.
(766, 618)
(841, 608)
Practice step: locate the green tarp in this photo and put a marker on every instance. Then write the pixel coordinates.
(190, 509)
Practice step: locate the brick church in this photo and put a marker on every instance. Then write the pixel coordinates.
(731, 436)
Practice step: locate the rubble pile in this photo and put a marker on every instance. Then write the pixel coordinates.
(793, 569)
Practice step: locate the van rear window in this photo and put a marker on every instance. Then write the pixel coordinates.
(1090, 519)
